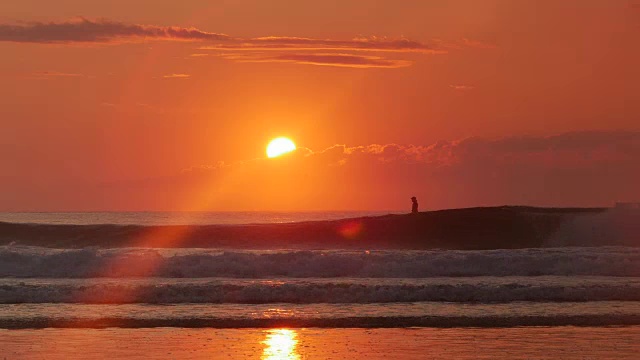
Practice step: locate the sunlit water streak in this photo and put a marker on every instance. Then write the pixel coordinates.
(280, 344)
(567, 343)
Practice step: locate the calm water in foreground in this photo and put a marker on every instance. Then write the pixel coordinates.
(413, 343)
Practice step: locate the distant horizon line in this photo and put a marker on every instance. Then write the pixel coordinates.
(390, 211)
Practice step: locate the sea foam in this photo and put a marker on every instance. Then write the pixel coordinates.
(312, 291)
(27, 262)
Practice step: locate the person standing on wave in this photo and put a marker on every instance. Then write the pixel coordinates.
(414, 205)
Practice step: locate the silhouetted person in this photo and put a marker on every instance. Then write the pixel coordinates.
(414, 205)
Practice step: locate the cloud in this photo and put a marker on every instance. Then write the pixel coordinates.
(461, 87)
(45, 75)
(289, 49)
(374, 44)
(572, 169)
(297, 50)
(83, 30)
(176, 76)
(326, 59)
(569, 150)
(55, 74)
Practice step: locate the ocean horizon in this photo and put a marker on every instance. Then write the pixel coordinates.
(180, 217)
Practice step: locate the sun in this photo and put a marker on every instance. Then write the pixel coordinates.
(280, 146)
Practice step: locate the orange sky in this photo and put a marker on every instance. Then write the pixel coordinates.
(120, 105)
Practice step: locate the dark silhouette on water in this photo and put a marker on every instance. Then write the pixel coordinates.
(414, 205)
(503, 227)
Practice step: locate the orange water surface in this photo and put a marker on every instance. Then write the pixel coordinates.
(413, 343)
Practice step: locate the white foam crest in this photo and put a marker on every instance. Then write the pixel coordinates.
(297, 291)
(28, 262)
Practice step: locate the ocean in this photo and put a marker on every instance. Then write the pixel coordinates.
(312, 296)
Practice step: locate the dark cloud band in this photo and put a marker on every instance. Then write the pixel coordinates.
(99, 31)
(106, 31)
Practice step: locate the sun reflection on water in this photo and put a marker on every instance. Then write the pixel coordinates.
(280, 344)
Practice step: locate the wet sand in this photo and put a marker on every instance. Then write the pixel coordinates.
(409, 343)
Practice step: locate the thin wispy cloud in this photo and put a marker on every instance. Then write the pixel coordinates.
(322, 59)
(56, 74)
(43, 75)
(176, 76)
(461, 87)
(375, 44)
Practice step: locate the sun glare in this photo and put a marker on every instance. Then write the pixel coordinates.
(281, 345)
(280, 146)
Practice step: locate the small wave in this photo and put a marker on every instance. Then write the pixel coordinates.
(346, 322)
(312, 292)
(28, 262)
(432, 314)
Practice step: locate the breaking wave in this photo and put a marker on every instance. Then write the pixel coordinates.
(312, 291)
(347, 322)
(29, 262)
(432, 314)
